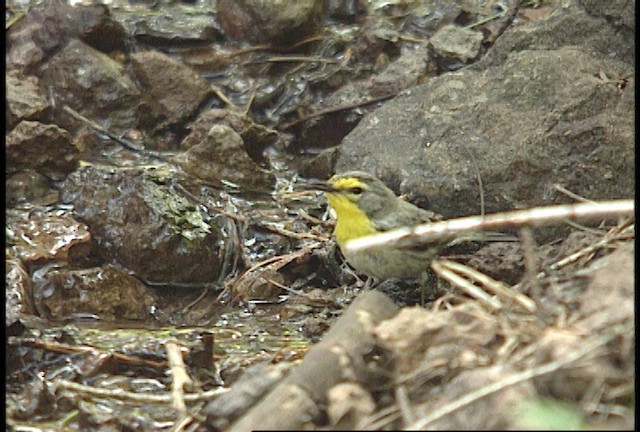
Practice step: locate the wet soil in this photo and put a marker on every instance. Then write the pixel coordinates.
(167, 267)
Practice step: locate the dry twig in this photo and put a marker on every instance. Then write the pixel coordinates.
(180, 377)
(274, 263)
(539, 216)
(402, 400)
(136, 397)
(499, 288)
(71, 349)
(123, 142)
(271, 226)
(621, 232)
(446, 272)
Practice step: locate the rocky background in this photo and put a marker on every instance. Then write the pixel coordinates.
(153, 155)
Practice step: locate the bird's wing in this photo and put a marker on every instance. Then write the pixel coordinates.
(406, 215)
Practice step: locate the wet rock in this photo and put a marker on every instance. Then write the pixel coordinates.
(282, 22)
(25, 98)
(455, 44)
(18, 290)
(256, 137)
(98, 28)
(50, 25)
(259, 284)
(29, 186)
(342, 10)
(106, 292)
(36, 400)
(140, 222)
(207, 58)
(316, 133)
(570, 26)
(539, 119)
(171, 90)
(377, 39)
(178, 25)
(221, 157)
(406, 71)
(48, 237)
(425, 19)
(94, 85)
(319, 166)
(45, 148)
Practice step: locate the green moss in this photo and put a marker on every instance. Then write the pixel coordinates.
(182, 216)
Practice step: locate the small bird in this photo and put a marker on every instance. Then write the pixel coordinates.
(363, 206)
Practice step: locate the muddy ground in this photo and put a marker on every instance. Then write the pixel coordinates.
(166, 268)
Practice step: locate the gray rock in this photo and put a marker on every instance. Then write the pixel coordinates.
(276, 22)
(93, 84)
(221, 157)
(255, 136)
(25, 98)
(455, 43)
(45, 148)
(178, 24)
(137, 221)
(107, 292)
(171, 90)
(620, 13)
(49, 25)
(29, 185)
(531, 118)
(567, 26)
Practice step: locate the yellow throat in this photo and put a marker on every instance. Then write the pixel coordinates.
(351, 222)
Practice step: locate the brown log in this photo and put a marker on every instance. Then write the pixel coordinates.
(341, 356)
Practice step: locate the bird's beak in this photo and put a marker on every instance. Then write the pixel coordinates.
(317, 185)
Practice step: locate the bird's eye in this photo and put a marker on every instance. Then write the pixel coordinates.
(357, 190)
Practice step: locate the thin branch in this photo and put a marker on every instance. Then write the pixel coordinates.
(71, 349)
(218, 92)
(402, 400)
(570, 194)
(461, 283)
(180, 378)
(123, 142)
(538, 216)
(498, 288)
(290, 290)
(626, 232)
(136, 397)
(335, 109)
(272, 226)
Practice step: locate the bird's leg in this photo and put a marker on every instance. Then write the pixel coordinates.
(369, 283)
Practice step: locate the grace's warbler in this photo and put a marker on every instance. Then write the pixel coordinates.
(363, 205)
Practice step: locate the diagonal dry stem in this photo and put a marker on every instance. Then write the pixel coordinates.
(539, 216)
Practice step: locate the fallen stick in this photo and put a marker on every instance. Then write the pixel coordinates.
(341, 356)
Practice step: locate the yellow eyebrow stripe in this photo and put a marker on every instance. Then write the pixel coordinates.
(348, 183)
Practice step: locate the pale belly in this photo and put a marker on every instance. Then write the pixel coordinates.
(391, 263)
